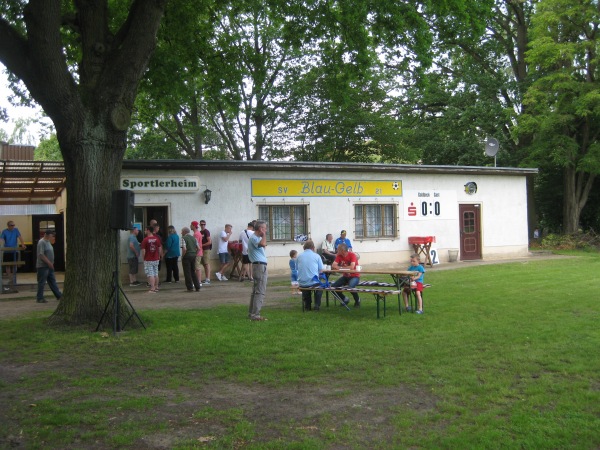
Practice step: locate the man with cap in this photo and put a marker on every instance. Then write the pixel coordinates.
(45, 266)
(343, 240)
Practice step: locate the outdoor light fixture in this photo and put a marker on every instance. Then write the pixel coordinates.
(207, 194)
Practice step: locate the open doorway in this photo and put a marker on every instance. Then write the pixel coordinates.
(39, 224)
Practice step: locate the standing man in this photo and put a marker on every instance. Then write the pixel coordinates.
(195, 230)
(244, 237)
(189, 251)
(133, 256)
(343, 240)
(10, 236)
(258, 257)
(224, 257)
(151, 253)
(45, 266)
(310, 266)
(206, 248)
(328, 250)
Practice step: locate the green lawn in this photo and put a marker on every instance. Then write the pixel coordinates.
(505, 356)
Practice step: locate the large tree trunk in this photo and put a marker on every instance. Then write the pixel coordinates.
(577, 187)
(92, 171)
(91, 113)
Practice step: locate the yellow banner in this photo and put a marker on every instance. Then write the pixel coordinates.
(325, 188)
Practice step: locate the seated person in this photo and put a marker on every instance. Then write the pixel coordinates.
(343, 240)
(416, 283)
(346, 260)
(328, 250)
(310, 267)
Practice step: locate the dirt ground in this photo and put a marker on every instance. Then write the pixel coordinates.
(304, 410)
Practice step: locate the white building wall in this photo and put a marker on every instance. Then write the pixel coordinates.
(502, 200)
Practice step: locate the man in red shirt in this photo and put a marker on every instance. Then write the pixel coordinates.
(151, 253)
(346, 260)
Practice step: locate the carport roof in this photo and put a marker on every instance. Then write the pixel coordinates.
(31, 182)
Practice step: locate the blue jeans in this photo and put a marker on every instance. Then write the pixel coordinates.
(47, 274)
(351, 282)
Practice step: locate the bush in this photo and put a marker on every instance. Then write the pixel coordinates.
(589, 241)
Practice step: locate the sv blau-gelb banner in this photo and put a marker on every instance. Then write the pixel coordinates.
(325, 188)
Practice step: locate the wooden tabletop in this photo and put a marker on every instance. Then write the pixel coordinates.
(404, 273)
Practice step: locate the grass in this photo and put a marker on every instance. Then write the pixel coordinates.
(505, 356)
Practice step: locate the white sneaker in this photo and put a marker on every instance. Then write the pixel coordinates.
(223, 278)
(207, 281)
(218, 275)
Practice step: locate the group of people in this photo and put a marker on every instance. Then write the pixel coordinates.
(191, 246)
(307, 269)
(194, 247)
(329, 247)
(11, 238)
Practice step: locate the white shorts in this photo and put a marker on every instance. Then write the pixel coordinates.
(151, 268)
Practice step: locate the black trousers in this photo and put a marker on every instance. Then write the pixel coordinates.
(172, 269)
(189, 272)
(307, 298)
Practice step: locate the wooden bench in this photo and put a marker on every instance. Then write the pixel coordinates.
(378, 294)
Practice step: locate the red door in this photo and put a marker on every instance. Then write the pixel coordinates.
(470, 232)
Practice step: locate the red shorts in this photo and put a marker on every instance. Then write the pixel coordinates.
(418, 287)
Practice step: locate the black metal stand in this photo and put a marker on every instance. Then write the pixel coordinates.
(114, 297)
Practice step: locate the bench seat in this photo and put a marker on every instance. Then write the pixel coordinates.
(378, 294)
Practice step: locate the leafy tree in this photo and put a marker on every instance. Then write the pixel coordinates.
(249, 67)
(564, 100)
(48, 150)
(82, 62)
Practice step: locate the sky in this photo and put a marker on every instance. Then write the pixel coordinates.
(20, 112)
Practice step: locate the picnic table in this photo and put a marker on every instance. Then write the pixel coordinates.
(379, 289)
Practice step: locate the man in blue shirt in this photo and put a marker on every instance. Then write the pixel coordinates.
(256, 253)
(310, 266)
(11, 235)
(343, 240)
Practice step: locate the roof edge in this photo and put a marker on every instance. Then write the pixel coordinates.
(319, 167)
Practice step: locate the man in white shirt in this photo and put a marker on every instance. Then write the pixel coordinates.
(224, 257)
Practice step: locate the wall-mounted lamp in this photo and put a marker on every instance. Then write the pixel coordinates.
(207, 194)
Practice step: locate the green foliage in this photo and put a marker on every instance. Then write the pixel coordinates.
(588, 241)
(563, 108)
(48, 150)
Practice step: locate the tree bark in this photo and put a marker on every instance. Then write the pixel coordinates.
(577, 186)
(91, 115)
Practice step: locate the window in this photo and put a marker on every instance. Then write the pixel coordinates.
(372, 221)
(284, 222)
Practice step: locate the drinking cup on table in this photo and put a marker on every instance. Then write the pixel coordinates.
(359, 268)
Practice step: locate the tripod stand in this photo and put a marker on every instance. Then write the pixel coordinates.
(114, 297)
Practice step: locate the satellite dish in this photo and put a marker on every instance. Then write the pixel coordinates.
(491, 146)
